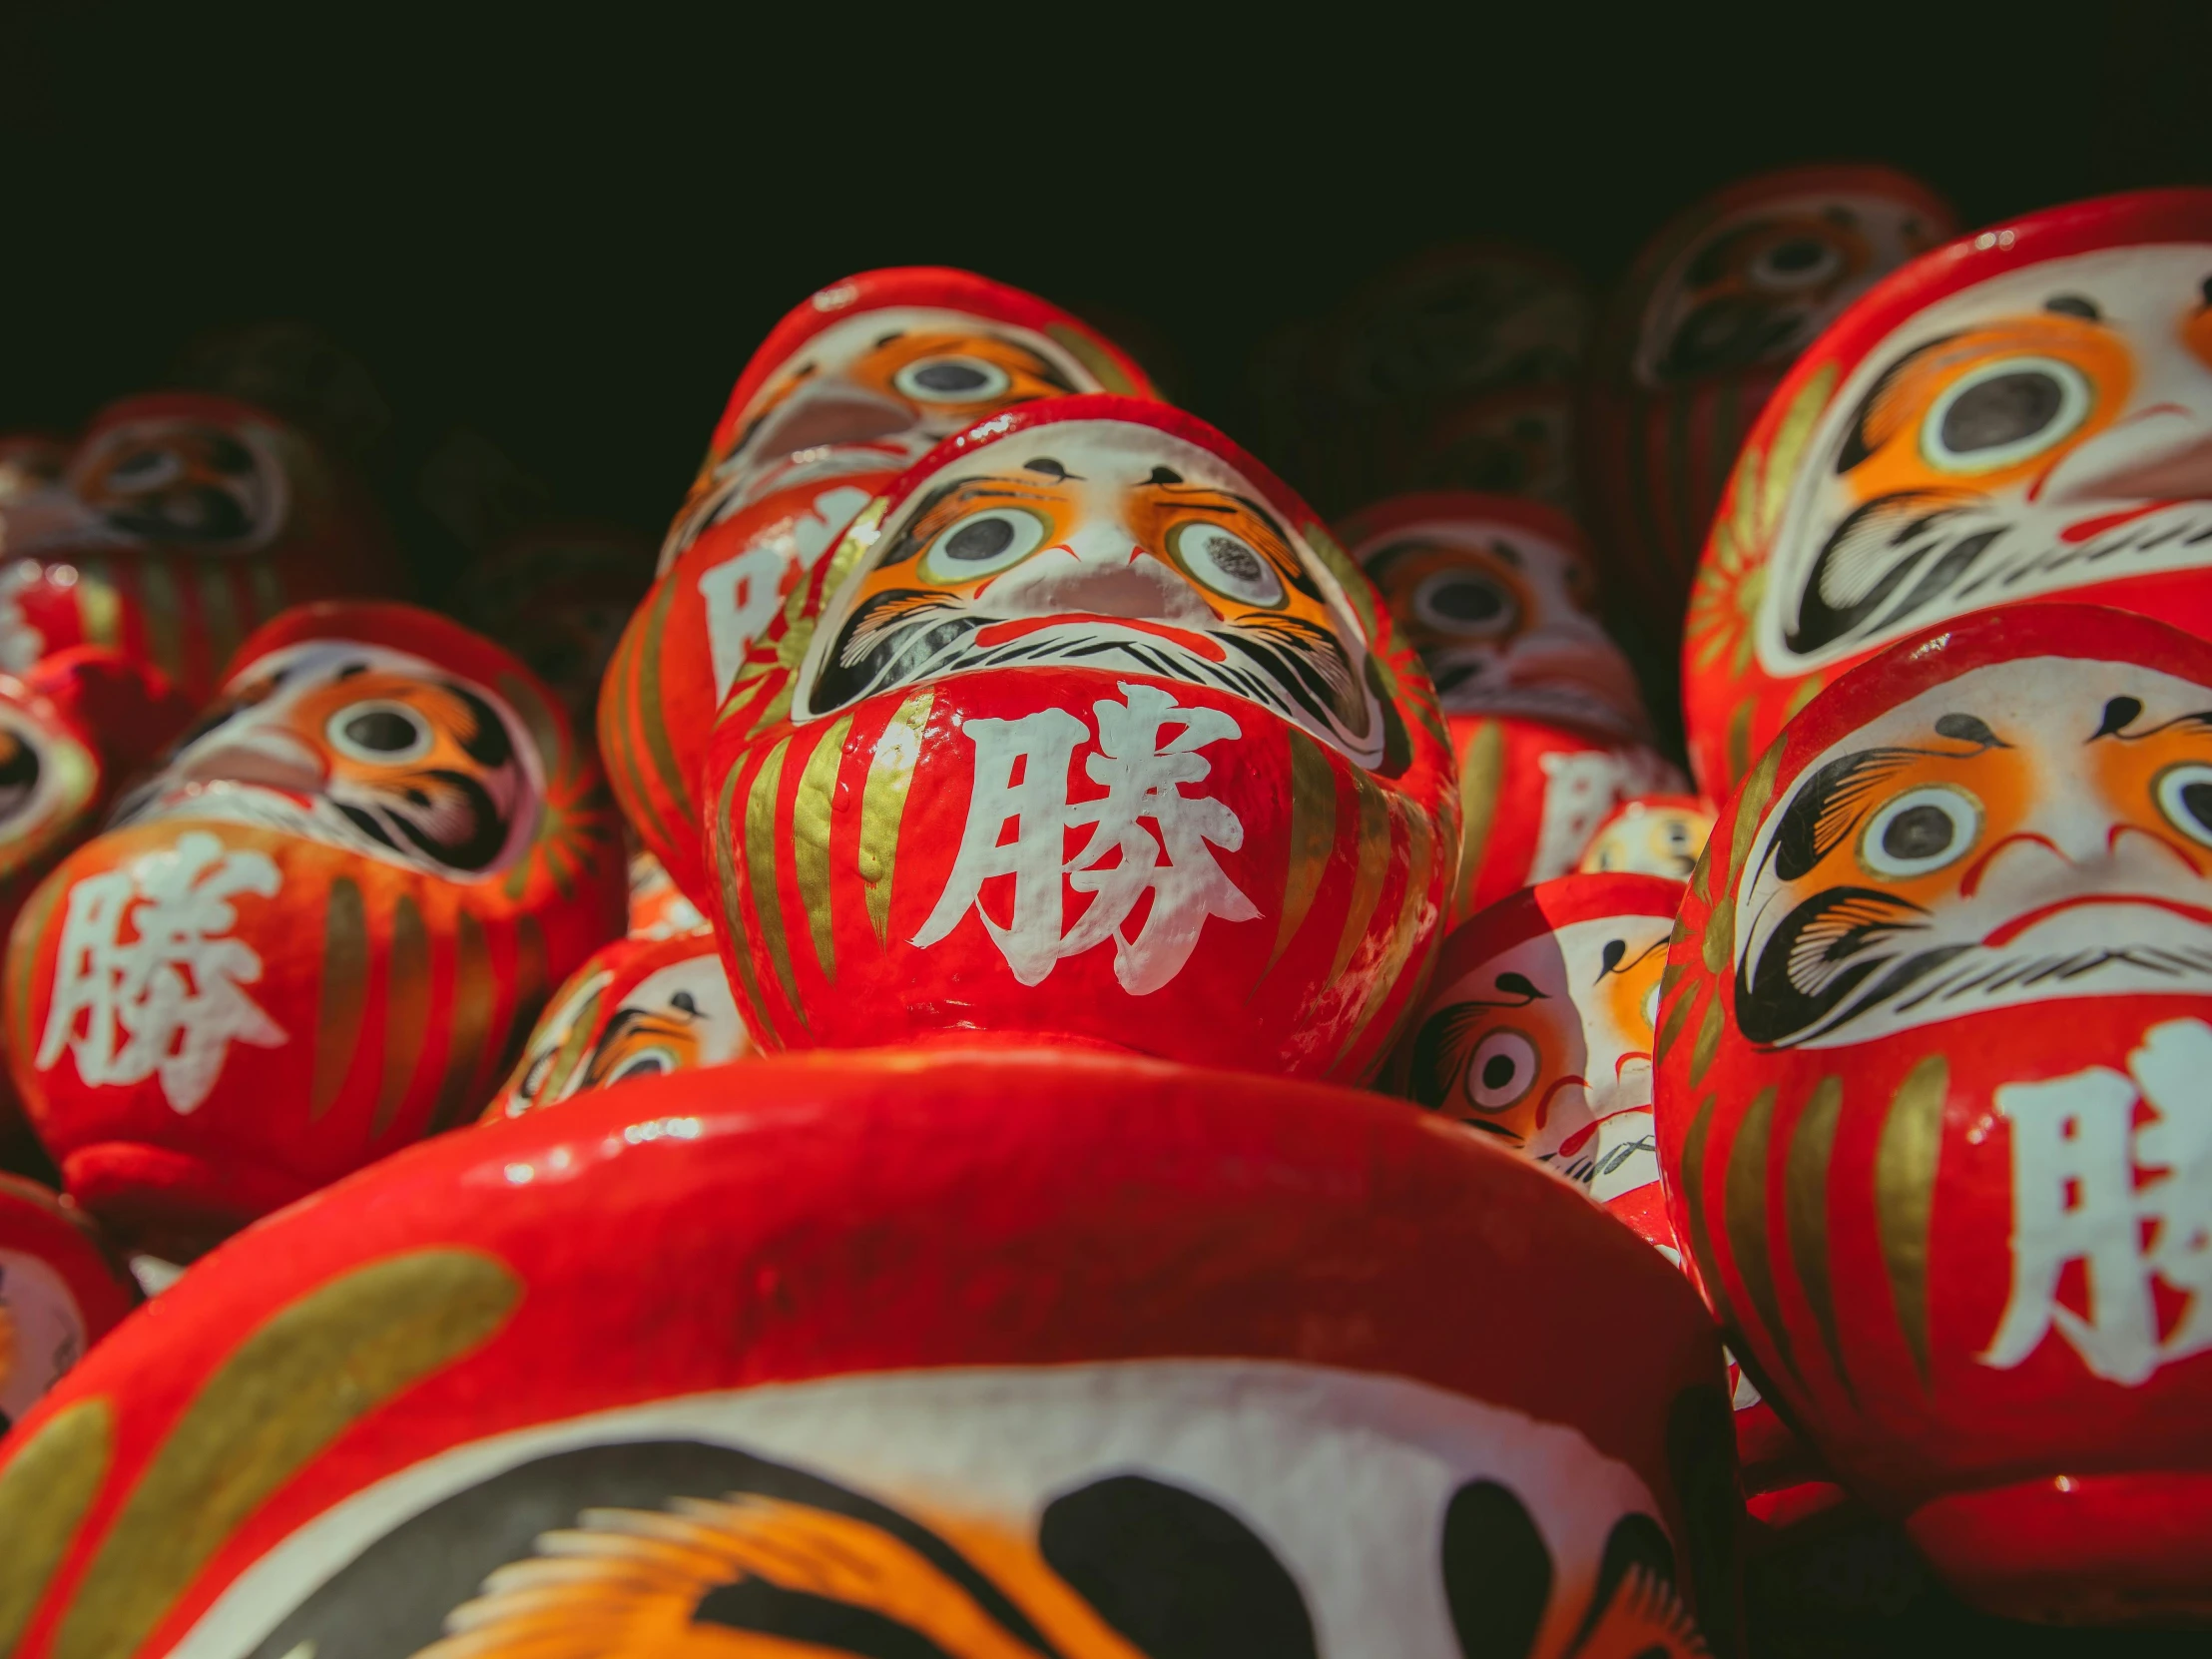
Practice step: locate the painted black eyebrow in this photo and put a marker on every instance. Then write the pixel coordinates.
(1856, 447)
(1799, 840)
(1615, 949)
(1508, 552)
(2074, 305)
(908, 543)
(2122, 711)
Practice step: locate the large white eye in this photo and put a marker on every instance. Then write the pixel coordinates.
(1227, 563)
(953, 381)
(380, 734)
(1922, 829)
(1802, 262)
(1502, 1070)
(2004, 412)
(983, 544)
(1468, 603)
(2185, 796)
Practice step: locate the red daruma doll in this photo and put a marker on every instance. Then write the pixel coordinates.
(1087, 728)
(852, 387)
(308, 939)
(1499, 599)
(1016, 1356)
(180, 522)
(1931, 1100)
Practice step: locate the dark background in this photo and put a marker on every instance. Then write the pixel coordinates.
(568, 235)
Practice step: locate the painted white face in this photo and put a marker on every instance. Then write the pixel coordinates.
(1761, 285)
(42, 1333)
(874, 393)
(1502, 619)
(363, 748)
(2044, 430)
(195, 483)
(674, 1019)
(1104, 545)
(2032, 830)
(1142, 1511)
(1650, 839)
(1546, 1047)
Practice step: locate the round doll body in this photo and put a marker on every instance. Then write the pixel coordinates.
(1087, 730)
(2025, 414)
(1166, 1368)
(848, 390)
(60, 1293)
(1702, 331)
(1545, 717)
(179, 523)
(1931, 1060)
(1652, 834)
(306, 939)
(637, 1008)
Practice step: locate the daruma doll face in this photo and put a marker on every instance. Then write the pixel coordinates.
(2025, 414)
(1088, 728)
(307, 938)
(1921, 1102)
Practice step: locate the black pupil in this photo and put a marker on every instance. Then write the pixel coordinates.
(1917, 833)
(1467, 602)
(979, 539)
(1233, 559)
(1798, 253)
(949, 377)
(2003, 409)
(1497, 1071)
(382, 731)
(2196, 801)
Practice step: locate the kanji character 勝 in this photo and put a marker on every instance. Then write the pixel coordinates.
(165, 1002)
(1144, 780)
(2076, 1151)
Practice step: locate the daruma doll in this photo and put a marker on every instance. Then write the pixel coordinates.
(856, 384)
(1499, 599)
(1932, 1107)
(1537, 1033)
(1086, 730)
(309, 939)
(1007, 1357)
(1701, 331)
(180, 522)
(637, 1008)
(61, 1290)
(1652, 834)
(2025, 414)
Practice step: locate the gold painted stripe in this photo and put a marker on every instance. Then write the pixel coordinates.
(1707, 1040)
(1419, 854)
(1805, 1210)
(1905, 1194)
(811, 822)
(652, 717)
(760, 870)
(732, 912)
(162, 605)
(287, 1391)
(218, 616)
(1719, 944)
(44, 1492)
(1084, 350)
(1371, 866)
(460, 1096)
(1677, 1017)
(1699, 1240)
(577, 1040)
(406, 1010)
(777, 708)
(1750, 808)
(1744, 1215)
(890, 772)
(1312, 838)
(345, 994)
(1482, 776)
(1739, 744)
(99, 606)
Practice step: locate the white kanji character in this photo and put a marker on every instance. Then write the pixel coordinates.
(167, 1001)
(1144, 780)
(2076, 1198)
(1580, 793)
(743, 594)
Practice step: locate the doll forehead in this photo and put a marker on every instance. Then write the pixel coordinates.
(851, 338)
(1523, 548)
(2051, 703)
(1857, 209)
(2146, 289)
(314, 660)
(1094, 455)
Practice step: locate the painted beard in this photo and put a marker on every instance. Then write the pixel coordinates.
(457, 831)
(1913, 557)
(1297, 669)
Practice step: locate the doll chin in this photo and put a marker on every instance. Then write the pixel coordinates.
(2117, 1548)
(172, 1204)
